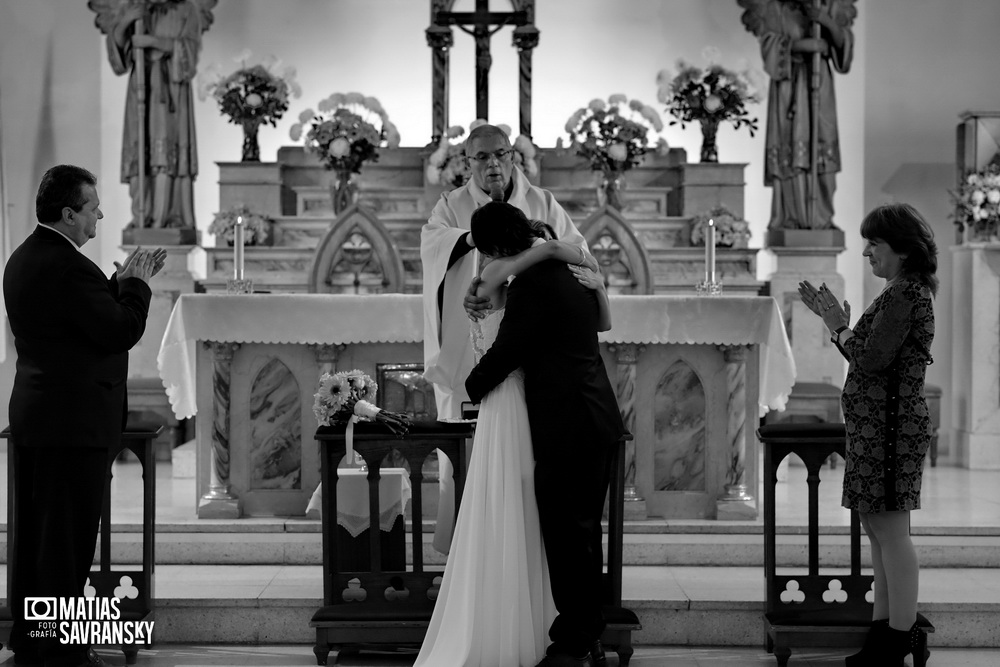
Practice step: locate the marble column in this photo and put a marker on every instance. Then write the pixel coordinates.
(736, 503)
(525, 39)
(975, 356)
(627, 356)
(219, 502)
(440, 39)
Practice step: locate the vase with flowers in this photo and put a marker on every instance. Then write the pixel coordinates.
(977, 205)
(449, 166)
(346, 131)
(256, 226)
(731, 231)
(255, 94)
(710, 96)
(613, 136)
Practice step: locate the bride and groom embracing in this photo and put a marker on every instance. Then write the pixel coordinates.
(526, 555)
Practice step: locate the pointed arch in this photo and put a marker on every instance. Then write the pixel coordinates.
(331, 249)
(607, 233)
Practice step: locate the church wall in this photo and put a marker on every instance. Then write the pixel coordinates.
(50, 94)
(950, 50)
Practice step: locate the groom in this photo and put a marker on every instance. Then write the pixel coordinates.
(550, 331)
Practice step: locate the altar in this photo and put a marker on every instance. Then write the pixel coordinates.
(693, 374)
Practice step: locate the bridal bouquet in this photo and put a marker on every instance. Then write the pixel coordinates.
(347, 396)
(448, 165)
(613, 135)
(346, 131)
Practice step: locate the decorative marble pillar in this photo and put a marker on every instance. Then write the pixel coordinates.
(525, 39)
(327, 355)
(975, 356)
(219, 503)
(736, 503)
(627, 357)
(440, 39)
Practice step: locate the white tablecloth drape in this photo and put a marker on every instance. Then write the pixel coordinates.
(398, 318)
(394, 493)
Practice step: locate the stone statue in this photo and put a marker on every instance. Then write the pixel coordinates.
(802, 42)
(157, 43)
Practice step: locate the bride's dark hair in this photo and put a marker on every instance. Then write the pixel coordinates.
(499, 229)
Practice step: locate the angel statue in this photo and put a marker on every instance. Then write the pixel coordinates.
(802, 42)
(164, 36)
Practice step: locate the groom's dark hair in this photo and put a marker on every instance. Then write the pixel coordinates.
(499, 229)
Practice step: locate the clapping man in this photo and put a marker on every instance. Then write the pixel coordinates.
(73, 328)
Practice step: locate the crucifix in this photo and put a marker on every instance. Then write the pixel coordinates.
(482, 24)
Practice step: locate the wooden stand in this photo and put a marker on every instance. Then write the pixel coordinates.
(139, 606)
(814, 609)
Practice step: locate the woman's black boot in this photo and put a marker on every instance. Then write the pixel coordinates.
(875, 638)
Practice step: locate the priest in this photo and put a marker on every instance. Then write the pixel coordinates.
(450, 264)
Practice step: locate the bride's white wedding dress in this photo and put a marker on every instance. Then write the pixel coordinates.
(495, 605)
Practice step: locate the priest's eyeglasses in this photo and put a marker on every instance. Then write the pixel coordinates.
(500, 156)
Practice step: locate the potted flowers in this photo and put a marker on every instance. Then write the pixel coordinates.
(346, 132)
(448, 166)
(613, 136)
(730, 231)
(252, 95)
(257, 227)
(709, 96)
(977, 204)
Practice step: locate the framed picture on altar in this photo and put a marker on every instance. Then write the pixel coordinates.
(402, 388)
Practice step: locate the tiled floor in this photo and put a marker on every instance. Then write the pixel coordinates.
(645, 656)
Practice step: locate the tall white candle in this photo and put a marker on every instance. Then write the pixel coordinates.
(238, 249)
(710, 251)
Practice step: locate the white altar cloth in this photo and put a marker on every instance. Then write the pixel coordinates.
(398, 318)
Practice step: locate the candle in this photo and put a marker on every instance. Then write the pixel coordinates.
(710, 251)
(238, 249)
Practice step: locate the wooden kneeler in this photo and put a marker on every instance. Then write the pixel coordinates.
(814, 610)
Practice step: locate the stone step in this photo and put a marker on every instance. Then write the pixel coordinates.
(678, 606)
(300, 543)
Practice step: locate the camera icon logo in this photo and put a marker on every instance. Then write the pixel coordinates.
(40, 609)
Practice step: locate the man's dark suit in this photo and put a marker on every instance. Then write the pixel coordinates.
(73, 328)
(549, 329)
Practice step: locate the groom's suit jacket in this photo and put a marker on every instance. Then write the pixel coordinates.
(550, 330)
(73, 328)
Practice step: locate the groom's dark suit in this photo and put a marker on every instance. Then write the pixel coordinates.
(73, 328)
(549, 329)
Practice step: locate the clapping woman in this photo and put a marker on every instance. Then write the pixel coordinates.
(886, 416)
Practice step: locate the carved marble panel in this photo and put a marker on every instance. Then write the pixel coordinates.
(275, 429)
(679, 430)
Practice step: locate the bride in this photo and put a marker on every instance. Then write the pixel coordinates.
(495, 603)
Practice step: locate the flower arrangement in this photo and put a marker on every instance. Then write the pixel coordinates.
(731, 231)
(347, 131)
(347, 396)
(255, 91)
(448, 165)
(977, 203)
(257, 227)
(715, 93)
(613, 135)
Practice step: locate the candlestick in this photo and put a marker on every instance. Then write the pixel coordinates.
(238, 249)
(710, 252)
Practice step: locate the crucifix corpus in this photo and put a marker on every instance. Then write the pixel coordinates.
(482, 24)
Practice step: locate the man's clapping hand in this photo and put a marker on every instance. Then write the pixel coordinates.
(141, 264)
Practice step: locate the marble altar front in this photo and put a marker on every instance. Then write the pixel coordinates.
(692, 375)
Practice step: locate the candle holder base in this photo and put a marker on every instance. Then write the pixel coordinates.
(239, 286)
(707, 288)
